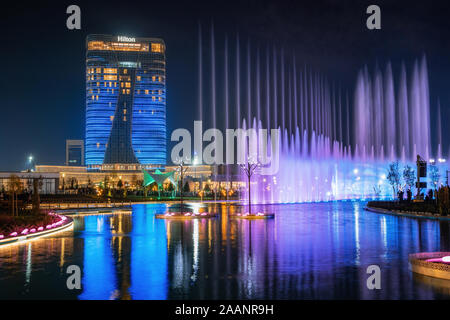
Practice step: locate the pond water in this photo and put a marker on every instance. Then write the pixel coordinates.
(309, 251)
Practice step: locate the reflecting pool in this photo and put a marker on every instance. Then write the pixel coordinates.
(309, 251)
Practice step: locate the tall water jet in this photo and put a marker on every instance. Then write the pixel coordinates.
(200, 73)
(213, 78)
(319, 158)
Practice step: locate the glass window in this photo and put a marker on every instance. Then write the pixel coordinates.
(109, 77)
(157, 47)
(110, 70)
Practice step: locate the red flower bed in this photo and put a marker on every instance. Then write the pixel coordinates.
(10, 225)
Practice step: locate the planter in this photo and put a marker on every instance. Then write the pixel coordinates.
(26, 234)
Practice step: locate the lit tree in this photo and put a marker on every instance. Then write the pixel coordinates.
(134, 181)
(170, 187)
(249, 169)
(105, 186)
(89, 182)
(434, 175)
(394, 176)
(409, 176)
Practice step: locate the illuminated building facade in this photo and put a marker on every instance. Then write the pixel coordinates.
(125, 101)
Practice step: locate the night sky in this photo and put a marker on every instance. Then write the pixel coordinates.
(43, 63)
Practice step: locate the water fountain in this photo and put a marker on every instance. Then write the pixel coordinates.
(331, 148)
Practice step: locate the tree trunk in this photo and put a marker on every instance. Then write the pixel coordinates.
(181, 191)
(249, 197)
(36, 199)
(11, 200)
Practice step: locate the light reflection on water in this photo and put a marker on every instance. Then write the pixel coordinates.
(309, 251)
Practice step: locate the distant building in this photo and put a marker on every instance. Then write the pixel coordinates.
(48, 181)
(74, 153)
(200, 175)
(125, 102)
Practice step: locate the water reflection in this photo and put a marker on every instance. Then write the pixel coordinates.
(99, 274)
(148, 254)
(309, 251)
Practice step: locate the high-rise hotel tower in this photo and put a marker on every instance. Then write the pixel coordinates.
(125, 101)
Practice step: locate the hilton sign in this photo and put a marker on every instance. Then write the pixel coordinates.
(125, 39)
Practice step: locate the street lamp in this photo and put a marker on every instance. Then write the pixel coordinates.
(30, 162)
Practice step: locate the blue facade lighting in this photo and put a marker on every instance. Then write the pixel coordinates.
(125, 101)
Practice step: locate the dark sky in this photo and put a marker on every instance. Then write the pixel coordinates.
(43, 63)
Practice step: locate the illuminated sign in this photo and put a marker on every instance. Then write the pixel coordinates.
(125, 39)
(128, 64)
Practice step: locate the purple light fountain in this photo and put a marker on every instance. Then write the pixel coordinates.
(332, 147)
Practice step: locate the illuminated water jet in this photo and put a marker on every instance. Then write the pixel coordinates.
(331, 147)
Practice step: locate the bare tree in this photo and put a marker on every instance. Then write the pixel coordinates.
(36, 199)
(409, 176)
(434, 176)
(14, 187)
(394, 177)
(181, 171)
(249, 169)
